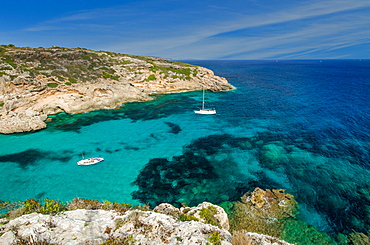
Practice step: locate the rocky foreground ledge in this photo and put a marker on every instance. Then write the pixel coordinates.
(164, 225)
(37, 82)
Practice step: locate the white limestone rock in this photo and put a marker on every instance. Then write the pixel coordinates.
(220, 214)
(166, 208)
(259, 239)
(95, 226)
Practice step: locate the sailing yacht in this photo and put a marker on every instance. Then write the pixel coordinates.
(205, 111)
(89, 161)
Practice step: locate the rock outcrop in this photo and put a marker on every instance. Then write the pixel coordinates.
(35, 83)
(98, 226)
(263, 211)
(92, 222)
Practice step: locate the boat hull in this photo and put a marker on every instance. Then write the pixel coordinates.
(205, 112)
(90, 161)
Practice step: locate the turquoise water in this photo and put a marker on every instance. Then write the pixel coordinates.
(297, 125)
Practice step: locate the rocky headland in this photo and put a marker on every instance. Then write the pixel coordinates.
(37, 82)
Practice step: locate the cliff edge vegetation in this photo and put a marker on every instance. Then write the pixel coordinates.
(37, 82)
(261, 217)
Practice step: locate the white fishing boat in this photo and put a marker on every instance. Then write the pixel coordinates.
(205, 111)
(89, 161)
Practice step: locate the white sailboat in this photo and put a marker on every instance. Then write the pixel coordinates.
(205, 111)
(89, 161)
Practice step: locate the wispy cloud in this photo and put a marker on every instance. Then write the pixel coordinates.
(289, 30)
(340, 30)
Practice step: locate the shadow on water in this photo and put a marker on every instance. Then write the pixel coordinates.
(175, 128)
(30, 157)
(162, 106)
(195, 176)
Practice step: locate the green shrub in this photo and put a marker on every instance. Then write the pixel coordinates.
(52, 85)
(5, 68)
(31, 205)
(1, 103)
(109, 70)
(215, 238)
(106, 75)
(60, 78)
(151, 78)
(185, 217)
(208, 214)
(47, 207)
(51, 207)
(11, 62)
(72, 80)
(68, 83)
(85, 57)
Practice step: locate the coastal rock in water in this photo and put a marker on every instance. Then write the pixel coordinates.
(47, 81)
(263, 211)
(22, 121)
(97, 226)
(270, 204)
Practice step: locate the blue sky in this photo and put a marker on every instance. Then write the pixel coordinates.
(194, 29)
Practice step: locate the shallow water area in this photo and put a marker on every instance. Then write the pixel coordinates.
(296, 125)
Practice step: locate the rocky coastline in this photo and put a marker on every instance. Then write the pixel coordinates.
(37, 82)
(91, 222)
(261, 217)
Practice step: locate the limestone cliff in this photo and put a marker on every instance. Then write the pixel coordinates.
(37, 82)
(166, 224)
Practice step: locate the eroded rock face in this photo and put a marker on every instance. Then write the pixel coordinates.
(96, 226)
(49, 81)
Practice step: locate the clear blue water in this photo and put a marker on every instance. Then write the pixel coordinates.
(298, 125)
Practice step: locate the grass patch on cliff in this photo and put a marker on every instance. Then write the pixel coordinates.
(10, 62)
(52, 85)
(107, 75)
(151, 78)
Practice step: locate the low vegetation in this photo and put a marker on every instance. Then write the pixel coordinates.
(208, 214)
(296, 232)
(67, 66)
(48, 206)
